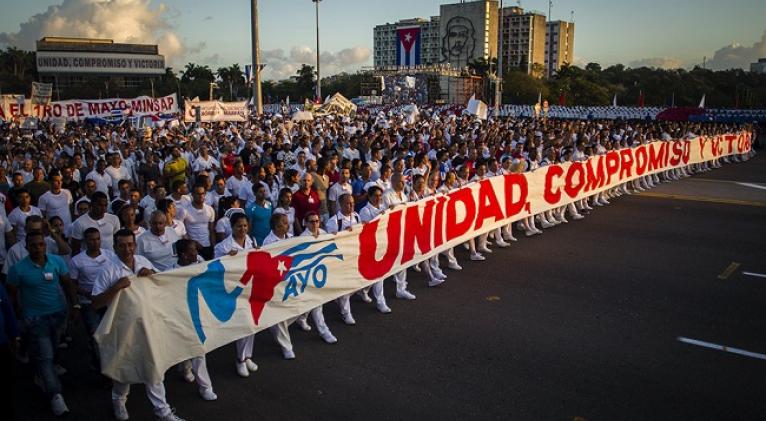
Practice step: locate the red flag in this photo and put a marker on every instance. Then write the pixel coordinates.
(562, 99)
(641, 99)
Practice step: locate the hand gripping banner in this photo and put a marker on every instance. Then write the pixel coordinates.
(184, 313)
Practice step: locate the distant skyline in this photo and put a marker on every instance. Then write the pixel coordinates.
(674, 33)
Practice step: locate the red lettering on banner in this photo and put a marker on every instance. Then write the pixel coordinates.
(626, 165)
(93, 108)
(78, 109)
(489, 206)
(730, 138)
(743, 143)
(687, 151)
(513, 207)
(595, 178)
(642, 160)
(612, 165)
(439, 221)
(57, 110)
(417, 228)
(170, 103)
(677, 152)
(702, 142)
(369, 266)
(454, 228)
(572, 189)
(658, 155)
(549, 194)
(15, 109)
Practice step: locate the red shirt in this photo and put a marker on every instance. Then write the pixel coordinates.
(304, 203)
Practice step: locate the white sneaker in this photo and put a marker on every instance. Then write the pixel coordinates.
(120, 412)
(58, 405)
(288, 354)
(251, 366)
(604, 202)
(477, 257)
(365, 296)
(348, 319)
(577, 216)
(483, 250)
(383, 308)
(454, 266)
(405, 295)
(188, 375)
(537, 231)
(242, 369)
(207, 394)
(530, 233)
(502, 244)
(546, 224)
(512, 238)
(304, 325)
(438, 274)
(434, 282)
(171, 416)
(328, 337)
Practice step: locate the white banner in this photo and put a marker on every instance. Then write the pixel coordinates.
(173, 316)
(41, 93)
(216, 111)
(80, 109)
(75, 62)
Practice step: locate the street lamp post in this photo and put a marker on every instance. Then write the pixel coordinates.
(319, 77)
(257, 99)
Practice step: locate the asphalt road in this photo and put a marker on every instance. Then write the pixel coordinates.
(581, 321)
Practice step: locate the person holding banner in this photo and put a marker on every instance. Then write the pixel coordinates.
(345, 219)
(372, 210)
(240, 241)
(113, 279)
(280, 227)
(391, 199)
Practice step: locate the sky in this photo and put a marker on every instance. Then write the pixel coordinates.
(658, 33)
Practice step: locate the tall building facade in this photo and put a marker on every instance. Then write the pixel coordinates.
(559, 46)
(468, 32)
(523, 40)
(390, 43)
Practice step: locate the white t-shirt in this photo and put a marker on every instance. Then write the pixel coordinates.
(223, 226)
(340, 222)
(57, 205)
(224, 247)
(197, 222)
(18, 218)
(337, 190)
(116, 269)
(5, 227)
(201, 164)
(369, 212)
(107, 226)
(290, 212)
(159, 250)
(85, 269)
(233, 184)
(103, 182)
(272, 238)
(117, 174)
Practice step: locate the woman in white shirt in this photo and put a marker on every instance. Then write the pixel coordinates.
(283, 207)
(227, 207)
(239, 241)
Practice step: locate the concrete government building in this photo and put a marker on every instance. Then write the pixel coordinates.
(472, 30)
(71, 62)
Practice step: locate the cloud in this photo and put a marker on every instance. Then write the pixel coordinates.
(207, 18)
(131, 21)
(736, 56)
(281, 65)
(657, 62)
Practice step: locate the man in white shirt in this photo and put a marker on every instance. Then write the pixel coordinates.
(199, 219)
(205, 162)
(375, 207)
(100, 177)
(106, 223)
(338, 189)
(18, 216)
(235, 182)
(391, 198)
(157, 243)
(118, 172)
(344, 220)
(56, 201)
(279, 231)
(114, 278)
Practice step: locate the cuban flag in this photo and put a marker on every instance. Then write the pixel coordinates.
(408, 46)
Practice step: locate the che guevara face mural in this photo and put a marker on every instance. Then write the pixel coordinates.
(459, 41)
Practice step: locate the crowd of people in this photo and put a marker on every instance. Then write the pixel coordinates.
(88, 210)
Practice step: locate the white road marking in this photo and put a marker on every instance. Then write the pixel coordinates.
(757, 275)
(723, 348)
(753, 185)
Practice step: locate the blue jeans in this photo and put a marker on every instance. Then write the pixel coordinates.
(42, 334)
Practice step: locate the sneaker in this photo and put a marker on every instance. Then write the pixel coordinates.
(476, 257)
(454, 266)
(546, 224)
(503, 244)
(328, 337)
(383, 308)
(365, 296)
(120, 412)
(59, 370)
(483, 250)
(251, 366)
(242, 369)
(577, 216)
(405, 295)
(529, 233)
(434, 282)
(288, 354)
(512, 238)
(304, 325)
(439, 274)
(207, 394)
(58, 405)
(170, 416)
(348, 319)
